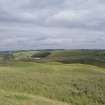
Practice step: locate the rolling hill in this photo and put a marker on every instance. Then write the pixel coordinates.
(53, 83)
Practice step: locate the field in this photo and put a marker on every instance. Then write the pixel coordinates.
(51, 83)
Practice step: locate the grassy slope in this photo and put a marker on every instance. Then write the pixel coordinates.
(15, 98)
(57, 54)
(75, 53)
(75, 84)
(23, 54)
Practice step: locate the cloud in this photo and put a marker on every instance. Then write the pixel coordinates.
(70, 24)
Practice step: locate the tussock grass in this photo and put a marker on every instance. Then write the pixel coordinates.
(75, 84)
(14, 98)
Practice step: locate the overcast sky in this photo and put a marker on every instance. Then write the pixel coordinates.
(49, 24)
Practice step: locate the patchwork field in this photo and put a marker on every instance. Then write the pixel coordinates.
(29, 83)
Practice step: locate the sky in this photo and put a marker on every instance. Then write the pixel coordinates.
(52, 24)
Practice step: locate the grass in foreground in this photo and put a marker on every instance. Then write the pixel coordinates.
(75, 84)
(12, 98)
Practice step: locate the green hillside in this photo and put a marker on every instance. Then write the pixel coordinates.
(58, 53)
(71, 53)
(92, 57)
(20, 55)
(15, 98)
(27, 83)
